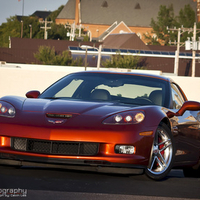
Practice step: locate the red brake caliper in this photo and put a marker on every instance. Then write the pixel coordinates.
(161, 146)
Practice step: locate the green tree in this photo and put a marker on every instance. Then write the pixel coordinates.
(151, 40)
(13, 29)
(187, 16)
(48, 56)
(119, 61)
(166, 18)
(13, 26)
(9, 29)
(55, 13)
(57, 32)
(31, 21)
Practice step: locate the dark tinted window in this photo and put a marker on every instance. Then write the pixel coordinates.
(128, 89)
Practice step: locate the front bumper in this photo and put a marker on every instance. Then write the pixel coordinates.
(106, 158)
(83, 165)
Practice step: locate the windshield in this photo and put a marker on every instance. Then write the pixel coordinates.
(127, 89)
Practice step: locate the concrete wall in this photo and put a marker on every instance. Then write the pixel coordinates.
(17, 79)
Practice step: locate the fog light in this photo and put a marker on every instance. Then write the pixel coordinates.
(125, 149)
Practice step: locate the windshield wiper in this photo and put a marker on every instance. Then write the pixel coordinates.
(51, 97)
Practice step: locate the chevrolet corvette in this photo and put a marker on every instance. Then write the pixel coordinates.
(113, 122)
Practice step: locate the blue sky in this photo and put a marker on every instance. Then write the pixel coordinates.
(14, 7)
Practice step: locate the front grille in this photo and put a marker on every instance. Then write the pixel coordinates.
(55, 147)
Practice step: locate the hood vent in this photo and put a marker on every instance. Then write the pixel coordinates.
(60, 116)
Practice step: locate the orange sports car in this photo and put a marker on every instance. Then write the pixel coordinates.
(104, 121)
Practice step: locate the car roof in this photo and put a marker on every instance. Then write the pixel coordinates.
(127, 73)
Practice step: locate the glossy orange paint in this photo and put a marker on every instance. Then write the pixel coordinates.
(188, 105)
(107, 139)
(49, 119)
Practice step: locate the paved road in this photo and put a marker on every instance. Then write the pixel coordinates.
(56, 184)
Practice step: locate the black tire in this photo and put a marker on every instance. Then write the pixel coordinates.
(191, 172)
(162, 154)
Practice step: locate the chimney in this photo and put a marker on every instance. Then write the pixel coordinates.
(77, 12)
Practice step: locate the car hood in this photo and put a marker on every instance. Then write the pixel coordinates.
(38, 112)
(68, 113)
(71, 107)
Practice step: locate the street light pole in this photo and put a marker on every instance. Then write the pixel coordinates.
(86, 59)
(177, 54)
(194, 50)
(180, 32)
(30, 31)
(46, 27)
(22, 24)
(99, 57)
(86, 47)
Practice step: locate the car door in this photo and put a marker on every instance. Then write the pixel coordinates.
(186, 130)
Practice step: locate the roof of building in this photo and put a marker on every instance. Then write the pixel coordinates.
(68, 12)
(132, 12)
(41, 14)
(19, 17)
(124, 41)
(34, 44)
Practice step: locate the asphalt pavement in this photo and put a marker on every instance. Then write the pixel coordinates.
(56, 184)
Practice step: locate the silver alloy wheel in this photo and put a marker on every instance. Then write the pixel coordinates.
(162, 152)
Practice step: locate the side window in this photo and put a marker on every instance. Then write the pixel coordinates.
(177, 97)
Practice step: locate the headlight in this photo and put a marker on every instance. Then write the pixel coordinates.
(7, 110)
(130, 117)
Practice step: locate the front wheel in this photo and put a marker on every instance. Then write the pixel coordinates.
(162, 154)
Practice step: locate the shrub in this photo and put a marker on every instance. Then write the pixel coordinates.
(47, 56)
(120, 61)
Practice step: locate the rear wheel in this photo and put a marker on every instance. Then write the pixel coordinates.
(162, 154)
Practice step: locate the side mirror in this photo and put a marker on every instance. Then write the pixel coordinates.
(188, 105)
(33, 94)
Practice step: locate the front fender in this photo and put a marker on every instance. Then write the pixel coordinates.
(154, 115)
(16, 101)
